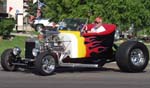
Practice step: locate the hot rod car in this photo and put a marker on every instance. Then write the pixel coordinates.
(69, 46)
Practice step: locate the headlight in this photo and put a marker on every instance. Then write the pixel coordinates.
(35, 51)
(16, 51)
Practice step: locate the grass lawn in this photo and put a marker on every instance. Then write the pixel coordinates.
(16, 41)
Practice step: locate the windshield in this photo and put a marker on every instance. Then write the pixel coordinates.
(72, 24)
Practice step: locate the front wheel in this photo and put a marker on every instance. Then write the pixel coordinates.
(7, 59)
(45, 64)
(132, 56)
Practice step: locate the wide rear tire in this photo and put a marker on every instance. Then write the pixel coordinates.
(132, 56)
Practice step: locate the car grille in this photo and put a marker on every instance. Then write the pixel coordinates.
(29, 45)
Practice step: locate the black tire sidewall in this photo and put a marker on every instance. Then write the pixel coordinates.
(4, 60)
(123, 56)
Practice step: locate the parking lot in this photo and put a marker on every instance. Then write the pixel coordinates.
(109, 76)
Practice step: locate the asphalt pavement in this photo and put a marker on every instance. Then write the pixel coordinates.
(108, 77)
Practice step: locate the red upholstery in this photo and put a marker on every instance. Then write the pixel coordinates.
(109, 29)
(90, 26)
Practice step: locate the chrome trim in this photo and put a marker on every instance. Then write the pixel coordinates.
(137, 57)
(48, 64)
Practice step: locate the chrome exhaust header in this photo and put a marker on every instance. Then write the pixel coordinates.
(79, 65)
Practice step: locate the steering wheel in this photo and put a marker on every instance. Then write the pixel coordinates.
(83, 28)
(62, 25)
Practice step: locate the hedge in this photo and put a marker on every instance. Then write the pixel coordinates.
(6, 26)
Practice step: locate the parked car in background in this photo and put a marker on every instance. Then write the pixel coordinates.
(39, 24)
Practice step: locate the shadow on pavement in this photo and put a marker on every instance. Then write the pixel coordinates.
(76, 70)
(71, 70)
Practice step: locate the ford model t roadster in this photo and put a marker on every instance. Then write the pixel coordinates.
(69, 46)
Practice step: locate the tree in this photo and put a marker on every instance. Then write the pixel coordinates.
(120, 12)
(32, 8)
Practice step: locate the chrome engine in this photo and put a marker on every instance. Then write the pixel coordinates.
(51, 42)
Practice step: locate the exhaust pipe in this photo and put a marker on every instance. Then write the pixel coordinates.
(79, 65)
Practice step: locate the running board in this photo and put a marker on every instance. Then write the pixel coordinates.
(79, 65)
(19, 64)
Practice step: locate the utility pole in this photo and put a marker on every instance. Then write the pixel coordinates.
(38, 1)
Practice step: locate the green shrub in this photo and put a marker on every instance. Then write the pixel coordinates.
(6, 26)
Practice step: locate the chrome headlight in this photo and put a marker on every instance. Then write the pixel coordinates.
(16, 51)
(35, 52)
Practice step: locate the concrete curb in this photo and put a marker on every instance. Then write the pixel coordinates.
(23, 34)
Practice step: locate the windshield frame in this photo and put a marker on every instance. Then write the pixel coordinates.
(72, 24)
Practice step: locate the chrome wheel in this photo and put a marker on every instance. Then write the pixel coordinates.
(48, 64)
(137, 57)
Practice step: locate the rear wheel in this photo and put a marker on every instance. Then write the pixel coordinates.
(132, 56)
(39, 27)
(45, 64)
(7, 58)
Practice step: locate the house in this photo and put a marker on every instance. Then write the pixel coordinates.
(15, 9)
(3, 8)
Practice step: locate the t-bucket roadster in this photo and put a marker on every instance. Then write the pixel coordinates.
(69, 46)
